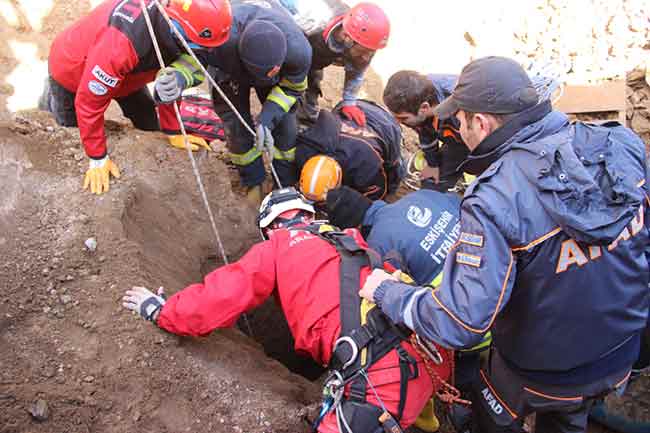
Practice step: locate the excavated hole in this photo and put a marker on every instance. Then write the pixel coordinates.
(270, 329)
(175, 249)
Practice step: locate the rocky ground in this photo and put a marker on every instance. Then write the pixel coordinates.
(65, 337)
(71, 359)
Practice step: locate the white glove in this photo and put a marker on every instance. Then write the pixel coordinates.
(144, 302)
(264, 139)
(169, 85)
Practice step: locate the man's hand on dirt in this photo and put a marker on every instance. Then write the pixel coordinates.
(98, 175)
(373, 281)
(144, 302)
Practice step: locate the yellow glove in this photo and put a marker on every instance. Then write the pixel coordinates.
(178, 142)
(427, 421)
(98, 174)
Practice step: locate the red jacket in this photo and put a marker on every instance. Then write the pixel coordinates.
(109, 54)
(301, 266)
(303, 271)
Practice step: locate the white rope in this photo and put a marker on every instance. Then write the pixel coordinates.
(214, 84)
(195, 168)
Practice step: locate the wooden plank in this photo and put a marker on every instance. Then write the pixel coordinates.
(608, 96)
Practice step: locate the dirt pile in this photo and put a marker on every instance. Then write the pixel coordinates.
(65, 337)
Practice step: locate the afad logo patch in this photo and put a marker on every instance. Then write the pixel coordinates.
(103, 77)
(492, 401)
(97, 88)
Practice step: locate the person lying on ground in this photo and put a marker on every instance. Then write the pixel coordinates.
(316, 272)
(336, 151)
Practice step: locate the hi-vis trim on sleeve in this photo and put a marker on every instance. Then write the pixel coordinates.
(296, 87)
(471, 239)
(189, 68)
(278, 96)
(468, 259)
(243, 159)
(284, 155)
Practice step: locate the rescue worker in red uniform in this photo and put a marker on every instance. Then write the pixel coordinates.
(311, 270)
(109, 55)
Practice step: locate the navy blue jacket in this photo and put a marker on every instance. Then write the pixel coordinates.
(552, 254)
(370, 157)
(418, 231)
(436, 134)
(290, 82)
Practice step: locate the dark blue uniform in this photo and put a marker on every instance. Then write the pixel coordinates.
(418, 230)
(277, 93)
(370, 157)
(553, 257)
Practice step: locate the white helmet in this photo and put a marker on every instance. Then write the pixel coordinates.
(280, 202)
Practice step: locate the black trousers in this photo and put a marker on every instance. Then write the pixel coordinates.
(139, 106)
(503, 398)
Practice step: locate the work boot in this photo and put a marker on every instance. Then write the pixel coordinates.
(254, 194)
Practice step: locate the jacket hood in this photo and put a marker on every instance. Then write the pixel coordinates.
(443, 85)
(587, 176)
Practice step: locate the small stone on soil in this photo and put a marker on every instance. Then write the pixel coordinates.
(39, 411)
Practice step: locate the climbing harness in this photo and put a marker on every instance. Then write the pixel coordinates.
(212, 81)
(195, 168)
(367, 334)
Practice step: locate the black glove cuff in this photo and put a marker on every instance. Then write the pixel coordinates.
(149, 308)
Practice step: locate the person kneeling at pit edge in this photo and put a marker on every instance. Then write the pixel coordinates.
(414, 234)
(316, 271)
(336, 151)
(109, 55)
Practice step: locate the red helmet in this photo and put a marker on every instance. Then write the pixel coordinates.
(367, 25)
(204, 22)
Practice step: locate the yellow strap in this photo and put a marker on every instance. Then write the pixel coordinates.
(484, 344)
(437, 280)
(366, 306)
(284, 155)
(278, 96)
(245, 158)
(296, 87)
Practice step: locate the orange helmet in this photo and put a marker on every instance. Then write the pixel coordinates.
(206, 23)
(320, 174)
(367, 25)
